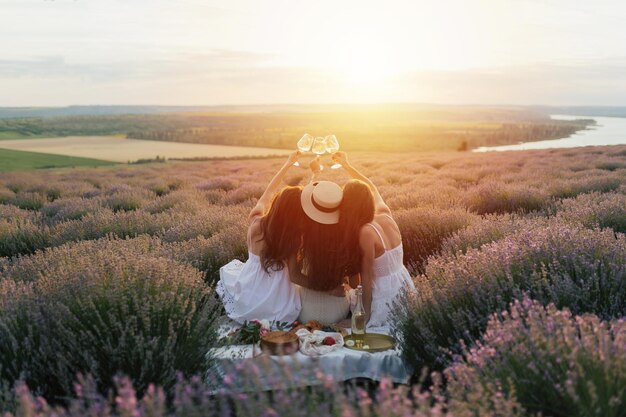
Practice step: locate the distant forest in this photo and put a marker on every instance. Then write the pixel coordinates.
(379, 128)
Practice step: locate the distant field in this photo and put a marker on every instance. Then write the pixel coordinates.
(12, 160)
(359, 128)
(118, 149)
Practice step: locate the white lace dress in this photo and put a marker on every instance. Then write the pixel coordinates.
(390, 278)
(248, 292)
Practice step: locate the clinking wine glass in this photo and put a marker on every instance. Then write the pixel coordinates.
(319, 147)
(304, 145)
(332, 145)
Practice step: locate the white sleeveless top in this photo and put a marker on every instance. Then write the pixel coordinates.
(390, 278)
(248, 292)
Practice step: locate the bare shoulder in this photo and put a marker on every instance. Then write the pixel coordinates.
(385, 219)
(254, 230)
(367, 235)
(382, 209)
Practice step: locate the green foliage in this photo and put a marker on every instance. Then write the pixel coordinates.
(554, 363)
(22, 236)
(104, 312)
(123, 254)
(564, 264)
(28, 201)
(595, 210)
(494, 197)
(424, 229)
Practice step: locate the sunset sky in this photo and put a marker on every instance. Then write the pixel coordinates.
(187, 52)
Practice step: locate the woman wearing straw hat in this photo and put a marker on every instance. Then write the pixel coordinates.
(320, 268)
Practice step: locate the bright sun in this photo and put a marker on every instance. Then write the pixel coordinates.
(376, 48)
(370, 58)
(363, 60)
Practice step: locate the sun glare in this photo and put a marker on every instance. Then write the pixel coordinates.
(362, 60)
(375, 50)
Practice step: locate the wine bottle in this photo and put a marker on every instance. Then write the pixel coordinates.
(358, 319)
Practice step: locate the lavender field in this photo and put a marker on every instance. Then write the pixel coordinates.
(519, 259)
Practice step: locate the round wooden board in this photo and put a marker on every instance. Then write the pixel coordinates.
(280, 343)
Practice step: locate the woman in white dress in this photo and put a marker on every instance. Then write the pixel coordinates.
(374, 244)
(261, 288)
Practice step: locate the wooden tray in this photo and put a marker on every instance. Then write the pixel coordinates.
(279, 343)
(377, 342)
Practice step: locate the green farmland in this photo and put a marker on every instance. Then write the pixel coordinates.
(11, 160)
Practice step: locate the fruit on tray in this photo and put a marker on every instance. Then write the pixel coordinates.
(329, 341)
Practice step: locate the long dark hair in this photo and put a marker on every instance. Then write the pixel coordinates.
(322, 258)
(356, 210)
(281, 229)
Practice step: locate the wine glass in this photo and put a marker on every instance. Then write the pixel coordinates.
(304, 145)
(332, 145)
(319, 147)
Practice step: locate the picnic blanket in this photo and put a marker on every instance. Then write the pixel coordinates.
(341, 364)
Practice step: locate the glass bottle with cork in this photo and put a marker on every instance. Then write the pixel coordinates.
(358, 319)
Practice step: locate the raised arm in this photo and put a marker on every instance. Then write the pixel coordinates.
(316, 168)
(261, 205)
(380, 206)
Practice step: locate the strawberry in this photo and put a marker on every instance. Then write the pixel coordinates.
(328, 341)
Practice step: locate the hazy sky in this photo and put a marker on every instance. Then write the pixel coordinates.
(61, 52)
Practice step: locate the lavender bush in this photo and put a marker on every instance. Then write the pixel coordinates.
(103, 312)
(588, 183)
(168, 223)
(22, 236)
(496, 197)
(28, 200)
(488, 229)
(128, 200)
(555, 363)
(595, 210)
(568, 265)
(71, 208)
(6, 196)
(192, 397)
(424, 229)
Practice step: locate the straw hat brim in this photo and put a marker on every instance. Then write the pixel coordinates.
(315, 213)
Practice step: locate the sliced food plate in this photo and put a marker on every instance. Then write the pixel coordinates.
(376, 342)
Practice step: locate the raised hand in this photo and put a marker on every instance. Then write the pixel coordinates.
(293, 157)
(341, 157)
(315, 165)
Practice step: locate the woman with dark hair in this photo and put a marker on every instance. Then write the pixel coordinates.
(261, 288)
(373, 243)
(320, 268)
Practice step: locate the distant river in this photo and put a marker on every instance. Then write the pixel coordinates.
(607, 131)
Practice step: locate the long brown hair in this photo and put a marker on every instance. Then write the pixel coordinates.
(281, 229)
(323, 260)
(356, 210)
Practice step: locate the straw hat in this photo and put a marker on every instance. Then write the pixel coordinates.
(320, 201)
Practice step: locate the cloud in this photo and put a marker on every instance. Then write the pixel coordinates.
(601, 82)
(217, 61)
(239, 77)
